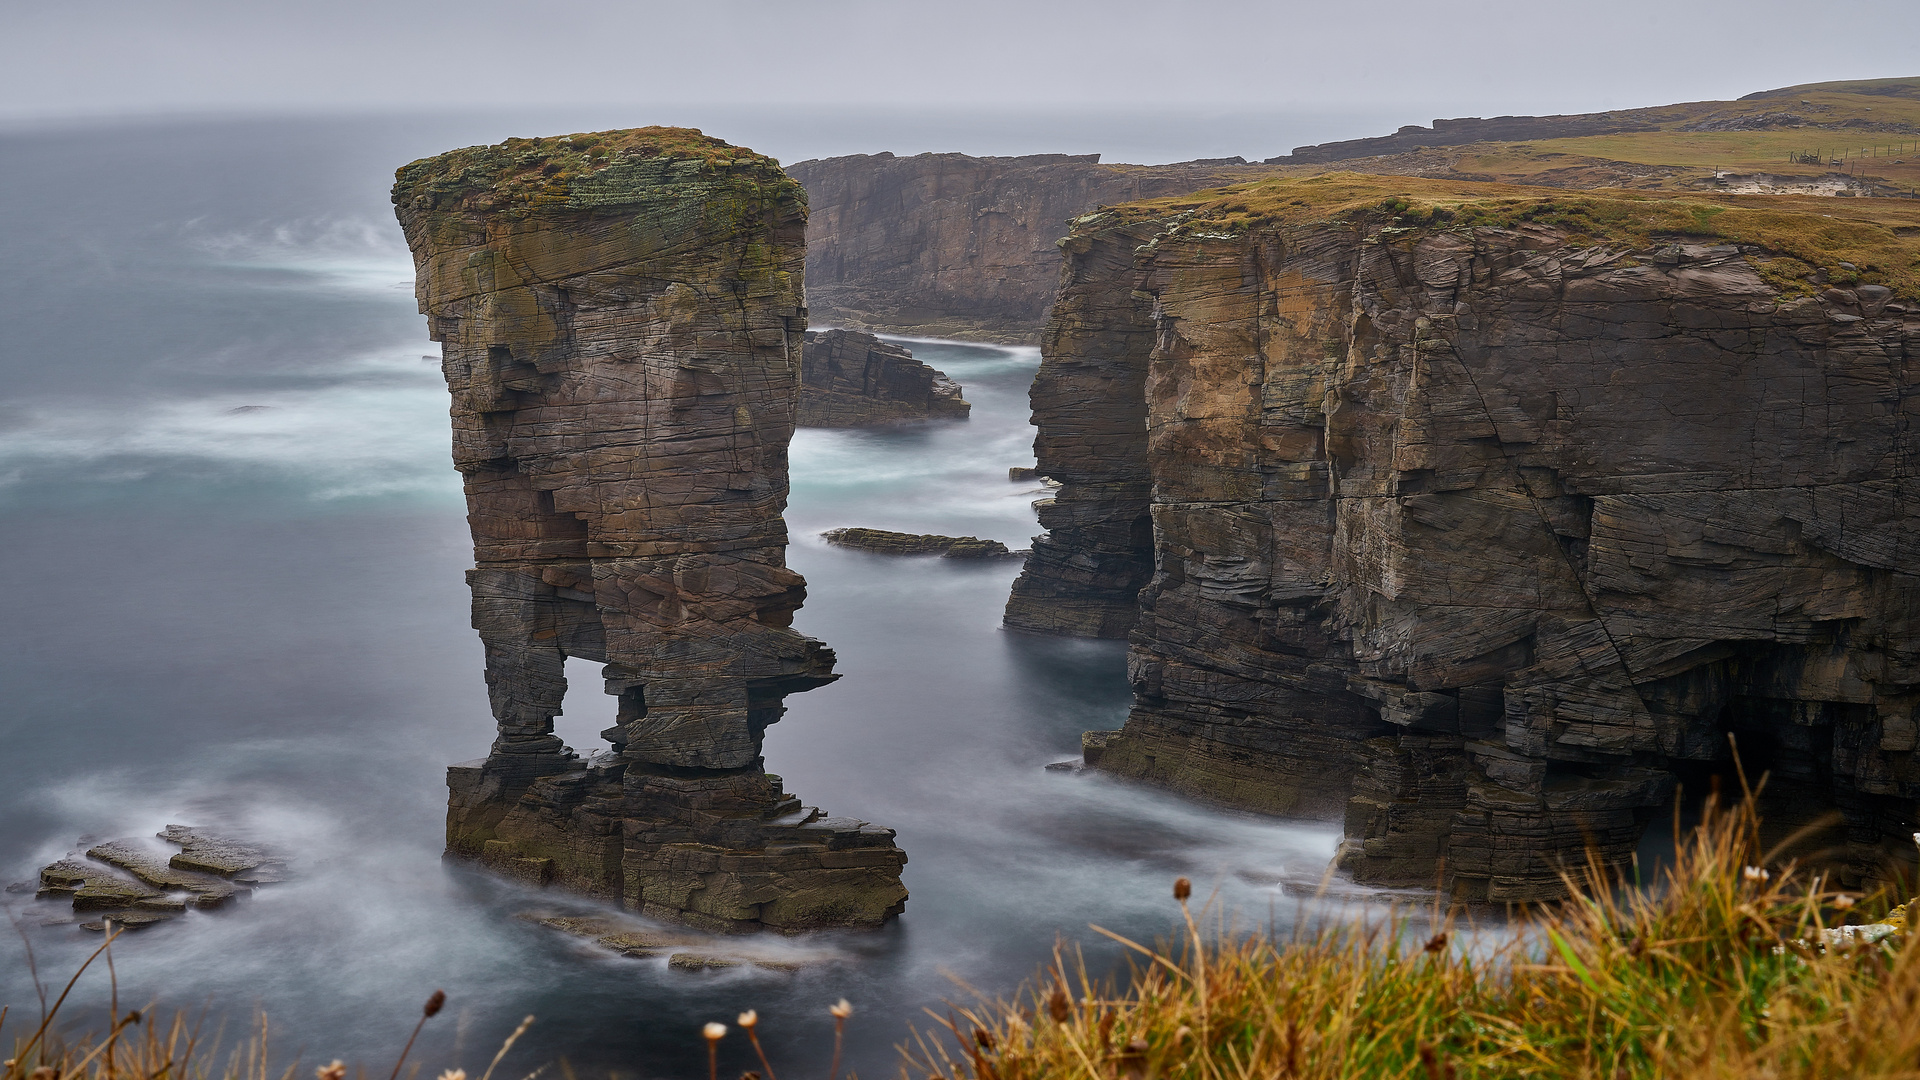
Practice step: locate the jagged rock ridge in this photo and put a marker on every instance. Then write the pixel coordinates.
(621, 322)
(851, 379)
(1482, 539)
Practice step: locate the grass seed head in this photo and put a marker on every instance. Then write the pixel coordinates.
(1182, 888)
(436, 1002)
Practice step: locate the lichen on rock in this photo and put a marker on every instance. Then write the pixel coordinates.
(621, 323)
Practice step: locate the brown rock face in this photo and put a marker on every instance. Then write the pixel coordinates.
(851, 379)
(948, 245)
(621, 321)
(1089, 402)
(1483, 540)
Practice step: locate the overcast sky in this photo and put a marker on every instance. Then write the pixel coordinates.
(106, 56)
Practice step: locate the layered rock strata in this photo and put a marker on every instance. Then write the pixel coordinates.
(1483, 537)
(852, 379)
(948, 245)
(887, 542)
(621, 323)
(131, 883)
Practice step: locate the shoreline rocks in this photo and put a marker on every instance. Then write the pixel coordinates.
(621, 322)
(885, 542)
(130, 883)
(853, 379)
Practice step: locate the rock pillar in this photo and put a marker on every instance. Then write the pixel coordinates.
(621, 323)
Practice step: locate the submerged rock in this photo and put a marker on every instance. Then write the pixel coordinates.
(899, 543)
(851, 379)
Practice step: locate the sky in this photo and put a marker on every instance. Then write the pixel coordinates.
(92, 58)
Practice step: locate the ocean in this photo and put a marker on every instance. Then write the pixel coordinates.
(233, 552)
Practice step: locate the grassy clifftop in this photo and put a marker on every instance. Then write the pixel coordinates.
(1855, 241)
(601, 168)
(1772, 140)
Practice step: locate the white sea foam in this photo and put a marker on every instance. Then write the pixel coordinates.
(381, 429)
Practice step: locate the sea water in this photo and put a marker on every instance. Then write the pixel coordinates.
(231, 552)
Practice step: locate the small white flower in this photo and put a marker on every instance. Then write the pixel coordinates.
(715, 1032)
(749, 1018)
(454, 1074)
(1755, 873)
(841, 1009)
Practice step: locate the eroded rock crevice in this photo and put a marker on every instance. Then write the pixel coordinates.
(1483, 542)
(621, 321)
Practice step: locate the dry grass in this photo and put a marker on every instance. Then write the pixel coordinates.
(1705, 975)
(1880, 237)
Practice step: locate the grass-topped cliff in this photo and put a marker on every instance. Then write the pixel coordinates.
(1799, 243)
(1858, 137)
(581, 171)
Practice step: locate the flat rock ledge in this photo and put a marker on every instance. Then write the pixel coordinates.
(135, 884)
(898, 543)
(853, 379)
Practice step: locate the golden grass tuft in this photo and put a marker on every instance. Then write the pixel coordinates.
(1707, 974)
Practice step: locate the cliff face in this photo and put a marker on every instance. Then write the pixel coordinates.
(851, 379)
(1089, 402)
(1482, 538)
(948, 245)
(621, 322)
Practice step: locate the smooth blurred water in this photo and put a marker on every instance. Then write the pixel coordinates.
(233, 596)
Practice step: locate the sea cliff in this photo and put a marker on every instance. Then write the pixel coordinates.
(948, 245)
(1482, 515)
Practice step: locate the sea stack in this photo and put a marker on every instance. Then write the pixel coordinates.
(853, 379)
(621, 323)
(1482, 516)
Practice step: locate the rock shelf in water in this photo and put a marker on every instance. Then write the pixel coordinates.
(899, 543)
(130, 883)
(851, 379)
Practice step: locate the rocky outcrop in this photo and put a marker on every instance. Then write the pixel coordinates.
(132, 883)
(1483, 539)
(1089, 401)
(851, 379)
(621, 322)
(947, 245)
(887, 542)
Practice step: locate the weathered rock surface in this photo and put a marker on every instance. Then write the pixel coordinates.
(947, 245)
(1482, 539)
(853, 379)
(621, 324)
(133, 885)
(1089, 402)
(899, 543)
